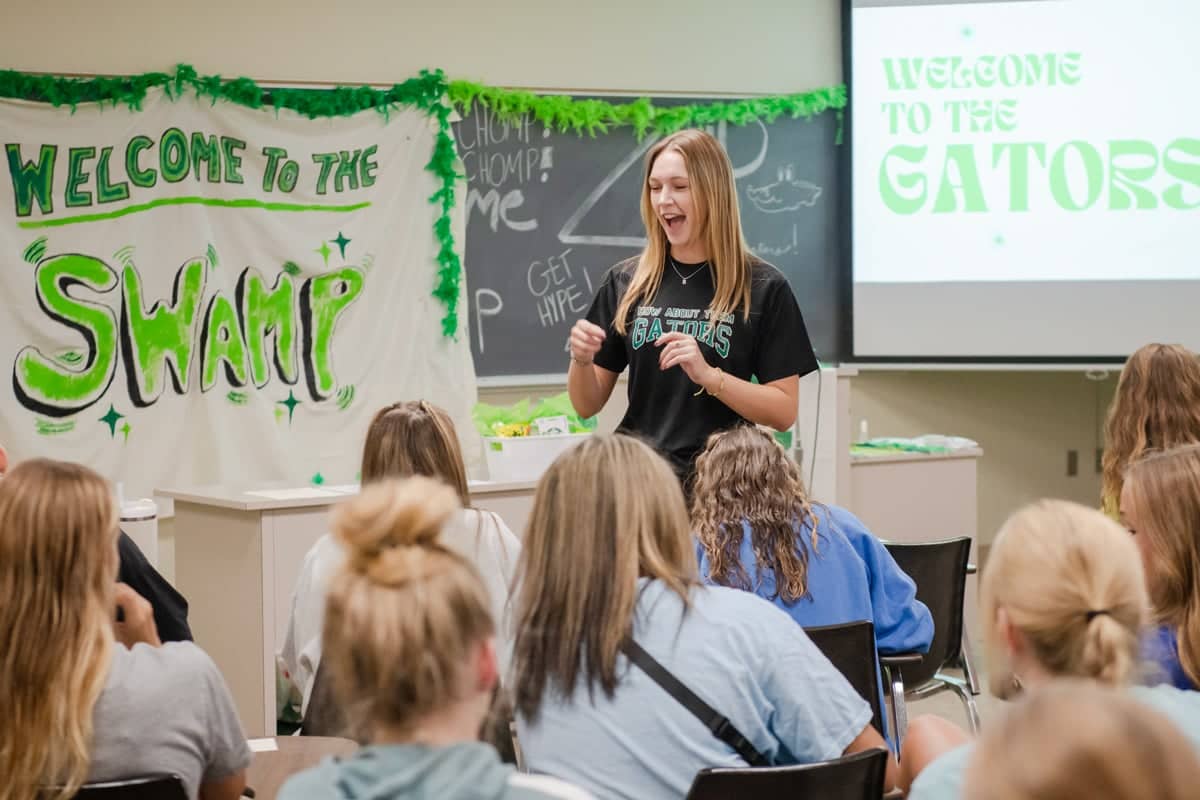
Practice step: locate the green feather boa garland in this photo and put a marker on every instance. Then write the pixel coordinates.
(433, 94)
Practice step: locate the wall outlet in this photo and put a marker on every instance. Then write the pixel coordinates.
(1072, 463)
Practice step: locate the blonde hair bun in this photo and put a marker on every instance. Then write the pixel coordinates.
(388, 526)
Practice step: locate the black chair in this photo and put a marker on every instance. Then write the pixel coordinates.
(940, 571)
(153, 787)
(850, 647)
(856, 777)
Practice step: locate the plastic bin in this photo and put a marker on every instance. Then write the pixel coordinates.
(525, 458)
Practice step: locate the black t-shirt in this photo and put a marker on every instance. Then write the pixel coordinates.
(772, 344)
(170, 608)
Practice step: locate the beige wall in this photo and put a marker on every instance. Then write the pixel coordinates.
(713, 46)
(1025, 422)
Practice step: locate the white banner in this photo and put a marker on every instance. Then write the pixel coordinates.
(207, 293)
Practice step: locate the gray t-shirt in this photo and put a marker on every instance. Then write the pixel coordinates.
(166, 710)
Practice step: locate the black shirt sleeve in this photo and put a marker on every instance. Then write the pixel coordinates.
(170, 608)
(783, 348)
(612, 354)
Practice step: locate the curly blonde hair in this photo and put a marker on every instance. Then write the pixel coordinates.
(1156, 407)
(744, 477)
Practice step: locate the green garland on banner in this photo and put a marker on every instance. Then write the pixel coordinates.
(426, 91)
(564, 113)
(431, 93)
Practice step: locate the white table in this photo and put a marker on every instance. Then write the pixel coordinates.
(238, 551)
(920, 497)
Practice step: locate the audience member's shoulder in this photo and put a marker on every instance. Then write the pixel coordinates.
(942, 779)
(184, 660)
(317, 781)
(1181, 706)
(841, 518)
(540, 787)
(843, 525)
(488, 523)
(741, 610)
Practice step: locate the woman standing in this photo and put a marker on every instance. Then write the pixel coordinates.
(696, 299)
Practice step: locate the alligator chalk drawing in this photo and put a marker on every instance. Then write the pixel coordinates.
(788, 193)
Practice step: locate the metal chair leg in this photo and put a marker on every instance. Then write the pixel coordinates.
(899, 711)
(964, 694)
(968, 667)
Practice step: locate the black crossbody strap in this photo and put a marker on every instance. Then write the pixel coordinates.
(716, 722)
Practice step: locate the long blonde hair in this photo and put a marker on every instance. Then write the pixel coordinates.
(58, 569)
(1165, 490)
(1070, 580)
(743, 475)
(404, 613)
(1071, 740)
(414, 437)
(710, 176)
(606, 512)
(1156, 407)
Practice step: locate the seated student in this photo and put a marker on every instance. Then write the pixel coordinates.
(758, 532)
(170, 607)
(608, 563)
(1077, 740)
(77, 706)
(1156, 407)
(409, 645)
(1160, 505)
(1062, 596)
(403, 439)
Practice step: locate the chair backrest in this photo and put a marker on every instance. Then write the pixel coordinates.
(940, 571)
(151, 787)
(851, 649)
(856, 777)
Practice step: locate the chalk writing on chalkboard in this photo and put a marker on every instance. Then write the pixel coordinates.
(496, 171)
(549, 213)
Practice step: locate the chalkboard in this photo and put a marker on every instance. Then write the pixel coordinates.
(549, 213)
